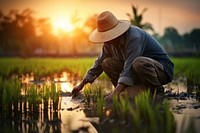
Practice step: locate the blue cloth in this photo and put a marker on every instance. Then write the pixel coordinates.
(133, 43)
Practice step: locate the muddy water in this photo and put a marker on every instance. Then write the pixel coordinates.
(71, 118)
(185, 106)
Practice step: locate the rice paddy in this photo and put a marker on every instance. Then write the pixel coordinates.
(35, 87)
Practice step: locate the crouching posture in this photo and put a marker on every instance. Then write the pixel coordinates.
(130, 57)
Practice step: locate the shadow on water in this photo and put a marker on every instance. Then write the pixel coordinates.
(50, 108)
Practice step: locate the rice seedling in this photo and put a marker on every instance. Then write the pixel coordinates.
(42, 67)
(92, 93)
(2, 104)
(187, 67)
(100, 106)
(16, 91)
(148, 118)
(87, 93)
(124, 107)
(7, 98)
(121, 107)
(45, 96)
(55, 96)
(115, 106)
(33, 99)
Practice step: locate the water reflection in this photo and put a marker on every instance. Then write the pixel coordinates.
(39, 109)
(65, 81)
(69, 115)
(184, 103)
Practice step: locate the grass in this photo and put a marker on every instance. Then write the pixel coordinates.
(47, 66)
(138, 115)
(92, 93)
(33, 99)
(189, 68)
(143, 117)
(43, 66)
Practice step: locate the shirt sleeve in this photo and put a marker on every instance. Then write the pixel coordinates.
(133, 50)
(96, 69)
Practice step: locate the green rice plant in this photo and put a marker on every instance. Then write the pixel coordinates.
(121, 107)
(54, 96)
(92, 93)
(33, 98)
(7, 97)
(87, 94)
(46, 92)
(149, 118)
(124, 107)
(142, 102)
(97, 92)
(189, 68)
(16, 86)
(100, 106)
(1, 97)
(115, 106)
(42, 67)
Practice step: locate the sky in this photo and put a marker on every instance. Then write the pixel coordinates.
(184, 15)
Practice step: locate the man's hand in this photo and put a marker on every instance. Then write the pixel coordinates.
(78, 88)
(116, 92)
(108, 98)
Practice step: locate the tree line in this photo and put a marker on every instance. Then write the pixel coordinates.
(175, 44)
(22, 34)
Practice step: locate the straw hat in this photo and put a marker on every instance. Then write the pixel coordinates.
(108, 28)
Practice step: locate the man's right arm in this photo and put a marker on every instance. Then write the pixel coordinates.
(93, 73)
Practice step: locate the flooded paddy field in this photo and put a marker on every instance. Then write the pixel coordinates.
(44, 103)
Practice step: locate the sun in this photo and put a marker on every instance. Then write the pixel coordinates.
(63, 24)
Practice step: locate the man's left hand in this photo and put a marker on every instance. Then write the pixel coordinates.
(108, 98)
(116, 92)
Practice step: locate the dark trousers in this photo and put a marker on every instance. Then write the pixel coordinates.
(147, 71)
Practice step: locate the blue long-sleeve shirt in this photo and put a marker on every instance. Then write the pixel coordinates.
(134, 43)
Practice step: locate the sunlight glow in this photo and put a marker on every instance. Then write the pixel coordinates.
(65, 85)
(62, 24)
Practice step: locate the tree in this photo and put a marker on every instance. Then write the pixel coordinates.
(15, 31)
(195, 39)
(172, 40)
(136, 19)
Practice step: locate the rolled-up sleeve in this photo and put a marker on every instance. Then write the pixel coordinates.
(96, 69)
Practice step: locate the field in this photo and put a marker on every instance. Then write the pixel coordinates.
(40, 98)
(45, 66)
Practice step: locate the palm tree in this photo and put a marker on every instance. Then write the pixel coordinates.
(136, 19)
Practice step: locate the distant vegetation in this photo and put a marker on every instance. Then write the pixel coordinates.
(22, 34)
(187, 44)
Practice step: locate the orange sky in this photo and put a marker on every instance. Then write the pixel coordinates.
(184, 15)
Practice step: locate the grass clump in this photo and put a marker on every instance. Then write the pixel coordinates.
(139, 115)
(152, 118)
(92, 93)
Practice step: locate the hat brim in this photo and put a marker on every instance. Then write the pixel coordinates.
(101, 37)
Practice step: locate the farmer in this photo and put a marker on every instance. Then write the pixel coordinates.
(129, 57)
